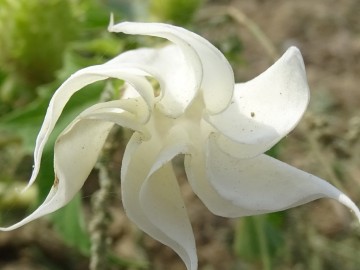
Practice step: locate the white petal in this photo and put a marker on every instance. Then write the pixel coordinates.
(128, 113)
(77, 149)
(162, 203)
(178, 82)
(77, 81)
(196, 173)
(268, 107)
(263, 184)
(75, 155)
(218, 79)
(76, 152)
(138, 196)
(197, 177)
(132, 76)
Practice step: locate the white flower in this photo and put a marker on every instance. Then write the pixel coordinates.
(221, 127)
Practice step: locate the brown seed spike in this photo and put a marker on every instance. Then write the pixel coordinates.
(56, 182)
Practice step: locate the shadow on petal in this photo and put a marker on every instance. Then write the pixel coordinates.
(217, 84)
(162, 203)
(264, 184)
(268, 107)
(77, 81)
(75, 155)
(151, 194)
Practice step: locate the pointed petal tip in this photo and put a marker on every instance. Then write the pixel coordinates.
(111, 22)
(292, 50)
(294, 53)
(23, 190)
(31, 180)
(345, 200)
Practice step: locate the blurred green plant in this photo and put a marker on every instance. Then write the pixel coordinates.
(38, 52)
(10, 197)
(33, 37)
(179, 12)
(259, 238)
(70, 223)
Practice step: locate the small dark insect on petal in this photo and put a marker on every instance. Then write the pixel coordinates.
(252, 114)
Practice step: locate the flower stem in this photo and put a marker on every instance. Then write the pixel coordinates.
(101, 218)
(100, 221)
(242, 19)
(263, 244)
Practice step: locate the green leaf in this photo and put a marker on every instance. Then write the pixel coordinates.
(275, 151)
(25, 123)
(69, 222)
(259, 237)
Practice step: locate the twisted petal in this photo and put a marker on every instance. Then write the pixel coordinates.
(205, 61)
(266, 108)
(77, 81)
(76, 152)
(151, 195)
(263, 184)
(71, 149)
(161, 200)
